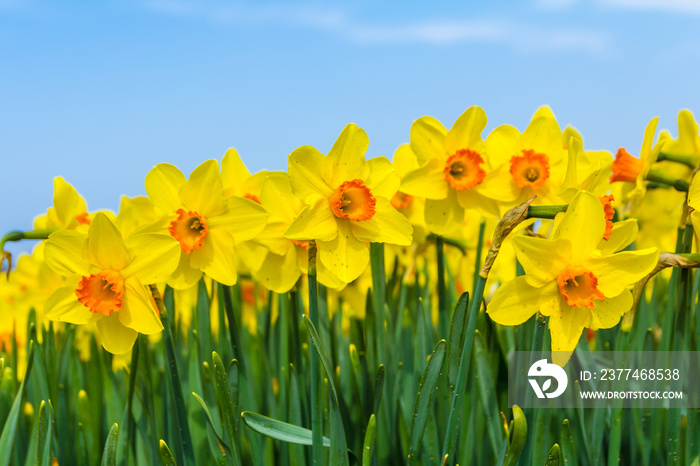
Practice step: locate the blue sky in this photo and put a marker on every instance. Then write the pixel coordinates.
(100, 92)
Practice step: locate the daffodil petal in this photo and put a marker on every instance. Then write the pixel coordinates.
(427, 181)
(466, 131)
(583, 225)
(542, 259)
(305, 173)
(404, 160)
(623, 234)
(388, 225)
(233, 172)
(516, 301)
(155, 257)
(501, 145)
(566, 327)
(444, 216)
(608, 312)
(617, 271)
(277, 197)
(428, 140)
(244, 219)
(115, 337)
(382, 180)
(185, 276)
(543, 134)
(345, 256)
(473, 200)
(317, 222)
(67, 202)
(694, 193)
(217, 258)
(105, 244)
(279, 273)
(204, 191)
(325, 277)
(63, 306)
(137, 312)
(64, 253)
(346, 159)
(163, 183)
(250, 255)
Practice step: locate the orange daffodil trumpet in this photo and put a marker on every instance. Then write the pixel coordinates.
(204, 223)
(105, 280)
(347, 202)
(575, 278)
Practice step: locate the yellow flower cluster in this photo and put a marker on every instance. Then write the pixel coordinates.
(222, 222)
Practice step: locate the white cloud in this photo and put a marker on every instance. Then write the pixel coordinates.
(433, 32)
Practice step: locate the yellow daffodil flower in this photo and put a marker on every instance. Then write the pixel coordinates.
(203, 221)
(284, 260)
(632, 170)
(105, 280)
(574, 278)
(535, 160)
(454, 173)
(348, 203)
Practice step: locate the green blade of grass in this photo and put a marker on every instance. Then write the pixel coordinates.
(487, 394)
(10, 428)
(109, 454)
(518, 435)
(225, 399)
(426, 390)
(368, 445)
(554, 456)
(339, 453)
(166, 458)
(280, 430)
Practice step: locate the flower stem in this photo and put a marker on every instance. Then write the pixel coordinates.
(316, 406)
(442, 289)
(183, 447)
(689, 161)
(545, 211)
(659, 177)
(376, 251)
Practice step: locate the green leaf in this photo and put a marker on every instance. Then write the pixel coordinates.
(223, 447)
(487, 393)
(554, 456)
(45, 425)
(339, 449)
(457, 337)
(166, 458)
(8, 431)
(518, 435)
(109, 454)
(568, 452)
(368, 447)
(422, 408)
(279, 430)
(225, 400)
